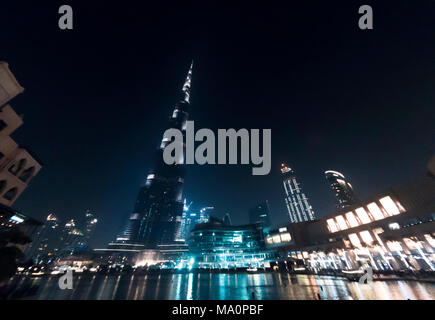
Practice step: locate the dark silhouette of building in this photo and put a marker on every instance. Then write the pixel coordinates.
(88, 226)
(227, 219)
(260, 214)
(342, 189)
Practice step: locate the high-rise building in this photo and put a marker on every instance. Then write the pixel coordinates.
(343, 190)
(71, 236)
(17, 165)
(46, 243)
(227, 219)
(191, 218)
(298, 207)
(158, 211)
(88, 226)
(260, 214)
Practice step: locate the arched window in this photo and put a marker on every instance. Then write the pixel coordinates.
(10, 194)
(27, 174)
(15, 168)
(2, 185)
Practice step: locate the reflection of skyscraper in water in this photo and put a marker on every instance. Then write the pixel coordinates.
(158, 210)
(298, 207)
(342, 189)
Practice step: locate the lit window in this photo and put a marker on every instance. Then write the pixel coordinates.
(331, 225)
(352, 220)
(353, 237)
(411, 244)
(237, 238)
(401, 208)
(394, 245)
(366, 237)
(430, 240)
(362, 215)
(394, 226)
(276, 239)
(375, 211)
(341, 222)
(269, 240)
(285, 237)
(389, 205)
(283, 229)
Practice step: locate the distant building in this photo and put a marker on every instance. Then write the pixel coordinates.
(191, 219)
(260, 214)
(71, 236)
(218, 246)
(88, 226)
(17, 165)
(298, 207)
(342, 189)
(227, 219)
(46, 242)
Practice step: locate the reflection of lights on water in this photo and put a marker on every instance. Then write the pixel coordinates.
(189, 286)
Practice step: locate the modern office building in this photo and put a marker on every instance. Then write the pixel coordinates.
(17, 165)
(342, 189)
(157, 216)
(298, 207)
(391, 231)
(260, 214)
(215, 245)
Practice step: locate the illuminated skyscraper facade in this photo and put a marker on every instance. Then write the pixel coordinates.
(342, 189)
(157, 215)
(298, 207)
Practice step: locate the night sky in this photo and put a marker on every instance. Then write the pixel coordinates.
(98, 98)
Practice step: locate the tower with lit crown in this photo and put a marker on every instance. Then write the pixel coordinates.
(298, 207)
(158, 211)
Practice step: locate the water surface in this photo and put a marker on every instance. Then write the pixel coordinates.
(195, 286)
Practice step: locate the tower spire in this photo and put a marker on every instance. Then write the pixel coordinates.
(186, 86)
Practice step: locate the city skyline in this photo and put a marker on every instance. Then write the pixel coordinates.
(319, 107)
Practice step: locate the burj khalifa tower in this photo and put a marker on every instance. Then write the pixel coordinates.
(156, 218)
